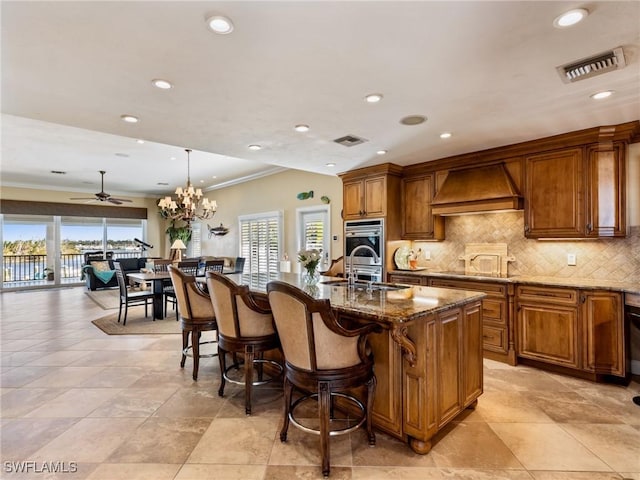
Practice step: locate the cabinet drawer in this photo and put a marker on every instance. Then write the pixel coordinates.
(494, 338)
(409, 279)
(494, 289)
(554, 295)
(494, 310)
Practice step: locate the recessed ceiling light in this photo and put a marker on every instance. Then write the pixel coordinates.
(220, 24)
(140, 141)
(331, 164)
(301, 128)
(161, 84)
(129, 118)
(445, 135)
(172, 158)
(254, 147)
(123, 155)
(162, 183)
(373, 97)
(601, 95)
(570, 18)
(381, 152)
(413, 120)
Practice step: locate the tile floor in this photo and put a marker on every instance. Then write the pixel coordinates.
(120, 407)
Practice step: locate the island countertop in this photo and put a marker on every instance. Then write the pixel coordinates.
(389, 306)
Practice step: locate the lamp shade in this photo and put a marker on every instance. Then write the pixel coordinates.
(178, 244)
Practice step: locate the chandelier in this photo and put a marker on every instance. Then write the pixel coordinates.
(189, 203)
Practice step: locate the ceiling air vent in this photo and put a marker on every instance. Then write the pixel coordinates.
(350, 140)
(592, 66)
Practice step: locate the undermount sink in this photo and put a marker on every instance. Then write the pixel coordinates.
(362, 285)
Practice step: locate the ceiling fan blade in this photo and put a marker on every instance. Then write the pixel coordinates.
(121, 200)
(115, 201)
(83, 198)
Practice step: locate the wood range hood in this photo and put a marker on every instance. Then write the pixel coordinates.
(477, 190)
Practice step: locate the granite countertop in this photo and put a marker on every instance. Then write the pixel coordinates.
(574, 282)
(388, 306)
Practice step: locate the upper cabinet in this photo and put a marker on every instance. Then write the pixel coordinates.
(418, 223)
(372, 192)
(576, 192)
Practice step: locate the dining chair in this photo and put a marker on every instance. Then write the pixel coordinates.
(243, 328)
(131, 298)
(169, 294)
(190, 267)
(238, 266)
(196, 316)
(213, 266)
(324, 361)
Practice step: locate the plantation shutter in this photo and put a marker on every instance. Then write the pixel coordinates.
(260, 239)
(194, 248)
(314, 235)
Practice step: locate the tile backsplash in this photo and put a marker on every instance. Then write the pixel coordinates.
(612, 259)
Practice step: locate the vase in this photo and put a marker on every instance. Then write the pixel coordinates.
(311, 276)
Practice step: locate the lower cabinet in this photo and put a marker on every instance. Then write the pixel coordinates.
(577, 329)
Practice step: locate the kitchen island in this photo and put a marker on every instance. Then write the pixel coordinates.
(428, 357)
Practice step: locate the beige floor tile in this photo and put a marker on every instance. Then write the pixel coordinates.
(570, 407)
(48, 470)
(227, 472)
(115, 377)
(547, 447)
(17, 359)
(162, 440)
(59, 377)
(577, 476)
(617, 445)
(116, 342)
(89, 440)
(134, 402)
(19, 402)
(472, 446)
(199, 401)
(22, 437)
(301, 472)
(21, 376)
(59, 359)
(76, 402)
(509, 407)
(135, 471)
(422, 473)
(247, 440)
(388, 451)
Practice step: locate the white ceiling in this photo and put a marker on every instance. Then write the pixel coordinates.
(485, 71)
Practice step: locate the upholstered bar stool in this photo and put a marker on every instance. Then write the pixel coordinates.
(196, 315)
(323, 360)
(243, 327)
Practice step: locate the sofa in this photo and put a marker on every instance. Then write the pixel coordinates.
(99, 272)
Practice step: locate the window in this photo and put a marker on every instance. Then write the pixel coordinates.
(313, 231)
(260, 242)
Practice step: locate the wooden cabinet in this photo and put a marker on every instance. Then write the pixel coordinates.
(577, 329)
(407, 279)
(364, 198)
(576, 192)
(554, 194)
(603, 333)
(418, 223)
(496, 331)
(606, 198)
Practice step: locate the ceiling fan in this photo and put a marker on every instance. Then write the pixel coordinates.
(102, 196)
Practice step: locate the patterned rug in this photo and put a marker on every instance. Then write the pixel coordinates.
(137, 324)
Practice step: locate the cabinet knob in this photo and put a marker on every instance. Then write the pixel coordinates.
(589, 227)
(583, 298)
(526, 228)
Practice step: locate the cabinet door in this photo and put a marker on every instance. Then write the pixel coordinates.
(375, 197)
(554, 198)
(449, 359)
(353, 199)
(606, 198)
(603, 342)
(548, 333)
(417, 221)
(472, 353)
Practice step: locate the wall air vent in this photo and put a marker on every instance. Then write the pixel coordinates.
(592, 66)
(350, 140)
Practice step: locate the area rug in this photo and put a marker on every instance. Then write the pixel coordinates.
(137, 324)
(107, 298)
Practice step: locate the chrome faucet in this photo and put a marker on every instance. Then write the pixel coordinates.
(353, 274)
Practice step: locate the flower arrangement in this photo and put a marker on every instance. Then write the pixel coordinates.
(309, 259)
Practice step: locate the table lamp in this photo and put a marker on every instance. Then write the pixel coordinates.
(176, 250)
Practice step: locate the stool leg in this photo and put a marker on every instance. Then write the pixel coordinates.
(248, 377)
(324, 400)
(287, 394)
(371, 390)
(195, 342)
(222, 358)
(185, 345)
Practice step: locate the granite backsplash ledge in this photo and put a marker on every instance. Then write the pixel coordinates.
(605, 258)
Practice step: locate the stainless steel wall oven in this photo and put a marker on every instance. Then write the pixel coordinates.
(371, 234)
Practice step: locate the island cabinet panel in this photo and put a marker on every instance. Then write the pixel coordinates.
(449, 361)
(603, 333)
(472, 354)
(418, 223)
(554, 194)
(495, 315)
(548, 325)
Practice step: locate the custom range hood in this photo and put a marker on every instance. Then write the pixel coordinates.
(477, 190)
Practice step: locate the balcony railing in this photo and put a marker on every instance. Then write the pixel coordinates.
(29, 268)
